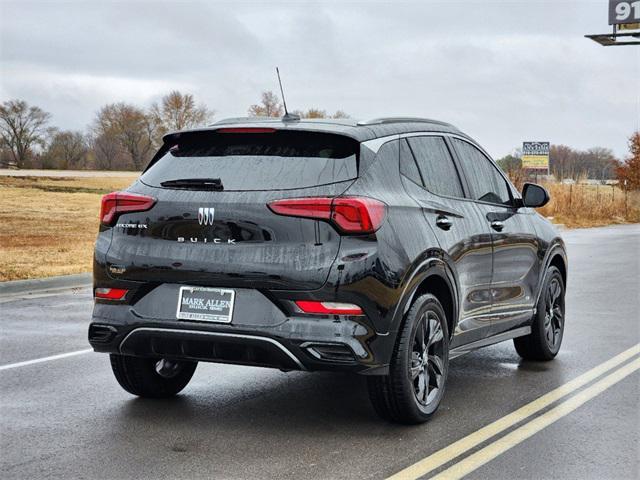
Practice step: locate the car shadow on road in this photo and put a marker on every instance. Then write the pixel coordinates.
(297, 399)
(325, 402)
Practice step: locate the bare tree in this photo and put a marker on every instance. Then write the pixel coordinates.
(318, 113)
(340, 114)
(106, 150)
(562, 161)
(597, 163)
(21, 128)
(311, 113)
(66, 150)
(131, 127)
(6, 158)
(601, 163)
(177, 111)
(269, 106)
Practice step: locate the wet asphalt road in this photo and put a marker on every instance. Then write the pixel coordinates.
(68, 418)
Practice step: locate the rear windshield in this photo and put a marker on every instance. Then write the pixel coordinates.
(274, 160)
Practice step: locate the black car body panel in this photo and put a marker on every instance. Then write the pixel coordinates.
(484, 260)
(267, 250)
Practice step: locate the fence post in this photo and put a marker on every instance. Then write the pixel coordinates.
(570, 194)
(626, 192)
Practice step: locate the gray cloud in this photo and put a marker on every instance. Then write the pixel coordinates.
(504, 71)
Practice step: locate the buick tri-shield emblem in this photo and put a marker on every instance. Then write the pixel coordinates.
(205, 215)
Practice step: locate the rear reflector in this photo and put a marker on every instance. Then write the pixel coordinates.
(111, 293)
(349, 214)
(115, 203)
(328, 308)
(246, 130)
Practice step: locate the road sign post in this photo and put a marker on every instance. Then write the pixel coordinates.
(624, 16)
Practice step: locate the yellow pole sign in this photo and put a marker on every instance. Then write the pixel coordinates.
(535, 155)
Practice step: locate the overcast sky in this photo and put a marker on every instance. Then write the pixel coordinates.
(502, 71)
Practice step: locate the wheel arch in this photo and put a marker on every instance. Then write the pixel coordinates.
(558, 261)
(432, 276)
(557, 257)
(440, 288)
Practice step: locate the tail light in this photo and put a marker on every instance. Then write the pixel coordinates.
(116, 203)
(328, 308)
(348, 214)
(111, 293)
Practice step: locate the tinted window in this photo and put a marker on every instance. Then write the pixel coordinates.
(408, 165)
(436, 166)
(258, 161)
(486, 183)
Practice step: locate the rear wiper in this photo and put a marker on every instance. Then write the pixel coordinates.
(214, 184)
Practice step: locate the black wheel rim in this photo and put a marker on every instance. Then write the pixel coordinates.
(167, 368)
(554, 314)
(427, 367)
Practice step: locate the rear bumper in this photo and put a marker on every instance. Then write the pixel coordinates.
(338, 343)
(209, 346)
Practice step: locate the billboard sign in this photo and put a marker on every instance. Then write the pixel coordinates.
(629, 26)
(535, 155)
(624, 11)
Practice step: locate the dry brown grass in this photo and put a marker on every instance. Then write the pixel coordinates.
(48, 225)
(99, 185)
(591, 205)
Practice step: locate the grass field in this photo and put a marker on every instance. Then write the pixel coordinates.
(48, 225)
(591, 205)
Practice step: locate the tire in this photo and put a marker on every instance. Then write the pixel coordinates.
(547, 329)
(401, 395)
(139, 376)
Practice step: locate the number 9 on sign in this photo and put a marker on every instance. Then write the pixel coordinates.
(624, 11)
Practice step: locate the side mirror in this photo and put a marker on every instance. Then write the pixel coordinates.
(534, 196)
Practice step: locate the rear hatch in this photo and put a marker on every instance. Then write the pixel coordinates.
(210, 223)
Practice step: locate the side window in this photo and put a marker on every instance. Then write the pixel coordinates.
(386, 160)
(486, 183)
(436, 166)
(408, 166)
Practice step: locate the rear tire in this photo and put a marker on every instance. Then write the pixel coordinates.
(547, 329)
(414, 387)
(139, 376)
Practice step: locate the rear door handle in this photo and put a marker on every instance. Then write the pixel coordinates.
(443, 222)
(497, 225)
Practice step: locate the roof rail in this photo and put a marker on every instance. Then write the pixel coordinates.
(384, 120)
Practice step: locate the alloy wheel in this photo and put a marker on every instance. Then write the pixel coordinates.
(554, 314)
(427, 359)
(168, 368)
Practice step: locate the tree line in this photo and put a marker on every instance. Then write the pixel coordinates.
(122, 136)
(597, 163)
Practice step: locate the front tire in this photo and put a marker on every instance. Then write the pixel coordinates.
(412, 391)
(547, 329)
(151, 377)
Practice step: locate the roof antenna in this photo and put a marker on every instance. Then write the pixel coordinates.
(288, 117)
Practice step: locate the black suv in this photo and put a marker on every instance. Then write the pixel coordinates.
(383, 248)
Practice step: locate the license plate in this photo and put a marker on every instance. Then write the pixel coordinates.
(205, 304)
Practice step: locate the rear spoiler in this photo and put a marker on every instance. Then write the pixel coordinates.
(168, 141)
